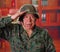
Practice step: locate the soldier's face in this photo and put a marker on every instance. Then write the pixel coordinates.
(29, 21)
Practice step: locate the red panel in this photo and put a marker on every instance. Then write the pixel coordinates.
(4, 11)
(57, 45)
(53, 33)
(4, 46)
(58, 16)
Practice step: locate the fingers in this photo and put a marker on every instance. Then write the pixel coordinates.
(16, 15)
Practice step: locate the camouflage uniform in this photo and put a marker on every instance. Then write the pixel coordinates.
(40, 41)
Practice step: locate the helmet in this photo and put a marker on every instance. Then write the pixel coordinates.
(30, 9)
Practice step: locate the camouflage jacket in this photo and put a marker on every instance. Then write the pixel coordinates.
(40, 41)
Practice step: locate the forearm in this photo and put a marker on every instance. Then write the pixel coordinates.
(7, 20)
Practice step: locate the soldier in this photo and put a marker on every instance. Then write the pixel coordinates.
(26, 36)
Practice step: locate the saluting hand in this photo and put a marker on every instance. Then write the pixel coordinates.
(17, 14)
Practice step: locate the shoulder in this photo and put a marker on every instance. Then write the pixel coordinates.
(39, 29)
(10, 26)
(42, 31)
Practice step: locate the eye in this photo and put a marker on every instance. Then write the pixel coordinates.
(26, 16)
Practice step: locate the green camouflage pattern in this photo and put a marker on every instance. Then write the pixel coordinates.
(40, 41)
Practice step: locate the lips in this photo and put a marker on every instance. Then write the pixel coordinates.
(28, 24)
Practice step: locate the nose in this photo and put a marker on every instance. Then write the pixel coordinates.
(29, 19)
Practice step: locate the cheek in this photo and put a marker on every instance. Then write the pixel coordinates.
(33, 23)
(24, 20)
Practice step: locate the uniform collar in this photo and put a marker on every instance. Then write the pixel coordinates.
(35, 30)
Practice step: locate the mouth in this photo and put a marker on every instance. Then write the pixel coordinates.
(28, 24)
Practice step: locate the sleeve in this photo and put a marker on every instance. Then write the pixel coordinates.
(5, 21)
(49, 46)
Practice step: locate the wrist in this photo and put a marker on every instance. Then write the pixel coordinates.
(15, 16)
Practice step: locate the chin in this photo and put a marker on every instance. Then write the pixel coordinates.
(29, 28)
